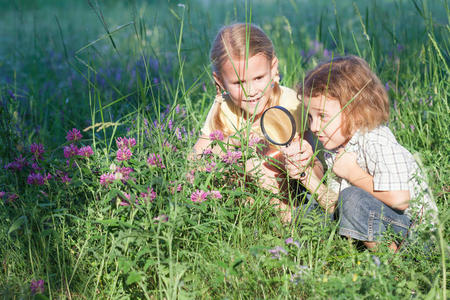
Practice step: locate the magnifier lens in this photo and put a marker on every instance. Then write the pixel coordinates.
(278, 125)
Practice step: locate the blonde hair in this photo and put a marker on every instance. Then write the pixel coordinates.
(349, 80)
(232, 42)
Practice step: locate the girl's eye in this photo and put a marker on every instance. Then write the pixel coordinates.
(322, 116)
(259, 78)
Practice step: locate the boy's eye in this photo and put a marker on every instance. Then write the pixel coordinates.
(322, 116)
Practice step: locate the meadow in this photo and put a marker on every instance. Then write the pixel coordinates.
(100, 105)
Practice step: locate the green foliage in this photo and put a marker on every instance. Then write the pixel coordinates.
(140, 70)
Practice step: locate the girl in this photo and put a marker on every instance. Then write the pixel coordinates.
(378, 183)
(245, 71)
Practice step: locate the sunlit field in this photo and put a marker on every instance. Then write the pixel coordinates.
(100, 105)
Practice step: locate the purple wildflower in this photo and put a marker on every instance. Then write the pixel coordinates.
(37, 150)
(106, 179)
(412, 127)
(326, 53)
(290, 241)
(207, 151)
(178, 134)
(125, 202)
(70, 151)
(149, 196)
(37, 286)
(36, 179)
(169, 146)
(65, 178)
(210, 167)
(215, 194)
(387, 87)
(35, 166)
(123, 142)
(123, 154)
(2, 193)
(216, 135)
(74, 135)
(17, 165)
(85, 151)
(232, 157)
(124, 173)
(199, 196)
(12, 197)
(155, 160)
(174, 188)
(170, 125)
(276, 252)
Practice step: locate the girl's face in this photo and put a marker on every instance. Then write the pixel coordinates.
(249, 86)
(325, 120)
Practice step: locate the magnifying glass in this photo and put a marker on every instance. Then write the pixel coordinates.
(279, 128)
(278, 125)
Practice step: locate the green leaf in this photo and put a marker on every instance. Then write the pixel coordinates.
(17, 223)
(133, 277)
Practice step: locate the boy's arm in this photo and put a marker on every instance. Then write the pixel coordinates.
(346, 167)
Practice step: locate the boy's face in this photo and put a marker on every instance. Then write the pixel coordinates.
(325, 120)
(249, 86)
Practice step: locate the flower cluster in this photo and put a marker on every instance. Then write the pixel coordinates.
(37, 150)
(117, 173)
(72, 150)
(9, 198)
(149, 196)
(123, 154)
(143, 198)
(200, 196)
(277, 251)
(216, 135)
(85, 151)
(73, 135)
(124, 146)
(123, 142)
(38, 178)
(37, 286)
(232, 157)
(17, 164)
(155, 160)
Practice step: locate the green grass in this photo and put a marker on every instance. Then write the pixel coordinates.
(114, 68)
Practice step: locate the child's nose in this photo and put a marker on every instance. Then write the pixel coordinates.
(251, 90)
(314, 125)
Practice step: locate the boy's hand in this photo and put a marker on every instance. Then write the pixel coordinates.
(298, 157)
(345, 164)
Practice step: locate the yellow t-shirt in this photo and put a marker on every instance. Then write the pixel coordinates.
(230, 113)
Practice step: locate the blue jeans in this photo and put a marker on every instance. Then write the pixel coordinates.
(363, 217)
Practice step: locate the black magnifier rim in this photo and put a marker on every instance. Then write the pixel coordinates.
(291, 118)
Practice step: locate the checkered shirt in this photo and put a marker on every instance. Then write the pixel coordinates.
(392, 168)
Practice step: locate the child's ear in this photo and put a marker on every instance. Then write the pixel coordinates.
(274, 67)
(217, 81)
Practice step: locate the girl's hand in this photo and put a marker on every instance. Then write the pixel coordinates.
(345, 164)
(298, 157)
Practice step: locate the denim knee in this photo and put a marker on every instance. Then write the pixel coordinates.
(364, 217)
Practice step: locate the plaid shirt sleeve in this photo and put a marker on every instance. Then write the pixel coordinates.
(390, 166)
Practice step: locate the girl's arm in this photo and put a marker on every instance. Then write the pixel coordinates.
(346, 167)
